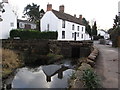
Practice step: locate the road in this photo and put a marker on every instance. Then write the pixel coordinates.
(107, 65)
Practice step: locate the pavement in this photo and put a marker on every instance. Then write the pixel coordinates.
(107, 65)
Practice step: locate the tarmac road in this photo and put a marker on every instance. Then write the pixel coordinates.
(107, 65)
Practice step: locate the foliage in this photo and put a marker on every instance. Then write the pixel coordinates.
(94, 29)
(95, 37)
(73, 76)
(114, 36)
(115, 32)
(54, 57)
(34, 13)
(90, 79)
(10, 61)
(116, 21)
(1, 10)
(88, 28)
(32, 34)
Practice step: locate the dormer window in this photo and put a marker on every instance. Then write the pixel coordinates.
(73, 27)
(63, 23)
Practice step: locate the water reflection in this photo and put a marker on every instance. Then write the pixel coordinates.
(51, 76)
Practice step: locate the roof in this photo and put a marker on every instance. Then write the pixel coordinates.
(67, 17)
(25, 21)
(102, 30)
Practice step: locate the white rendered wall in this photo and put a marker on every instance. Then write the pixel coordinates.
(55, 24)
(22, 25)
(68, 31)
(8, 17)
(51, 19)
(104, 34)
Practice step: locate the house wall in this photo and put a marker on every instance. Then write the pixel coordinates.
(55, 24)
(49, 19)
(104, 34)
(22, 25)
(9, 21)
(68, 31)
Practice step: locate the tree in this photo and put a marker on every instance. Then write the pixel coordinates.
(115, 32)
(94, 29)
(88, 27)
(116, 21)
(1, 10)
(33, 12)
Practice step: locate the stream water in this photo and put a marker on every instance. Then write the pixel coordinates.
(47, 76)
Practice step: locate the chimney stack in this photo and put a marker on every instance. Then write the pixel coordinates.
(75, 15)
(80, 17)
(61, 8)
(49, 7)
(5, 1)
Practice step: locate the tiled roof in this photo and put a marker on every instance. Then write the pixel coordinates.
(67, 17)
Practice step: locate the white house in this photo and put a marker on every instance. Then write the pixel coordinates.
(25, 24)
(9, 20)
(103, 33)
(68, 27)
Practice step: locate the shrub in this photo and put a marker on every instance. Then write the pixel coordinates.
(54, 57)
(10, 61)
(114, 36)
(90, 79)
(32, 34)
(97, 37)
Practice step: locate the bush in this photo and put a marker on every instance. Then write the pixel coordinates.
(114, 36)
(90, 79)
(54, 57)
(97, 37)
(32, 34)
(10, 61)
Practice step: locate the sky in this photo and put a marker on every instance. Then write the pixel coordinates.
(101, 11)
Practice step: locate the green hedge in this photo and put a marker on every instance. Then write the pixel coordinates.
(32, 34)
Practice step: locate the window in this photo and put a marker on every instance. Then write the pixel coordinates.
(63, 23)
(73, 35)
(48, 27)
(73, 27)
(77, 34)
(63, 34)
(21, 25)
(81, 35)
(78, 28)
(12, 24)
(82, 29)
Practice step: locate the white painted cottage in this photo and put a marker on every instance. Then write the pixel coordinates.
(25, 24)
(103, 33)
(68, 27)
(9, 20)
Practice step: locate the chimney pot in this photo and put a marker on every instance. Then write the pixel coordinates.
(61, 8)
(75, 15)
(80, 17)
(49, 7)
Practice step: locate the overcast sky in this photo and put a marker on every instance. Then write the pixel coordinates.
(103, 11)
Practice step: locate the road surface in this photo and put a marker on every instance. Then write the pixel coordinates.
(107, 65)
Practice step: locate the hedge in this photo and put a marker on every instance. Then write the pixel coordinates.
(32, 34)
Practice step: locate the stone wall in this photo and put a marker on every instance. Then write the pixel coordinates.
(35, 48)
(66, 48)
